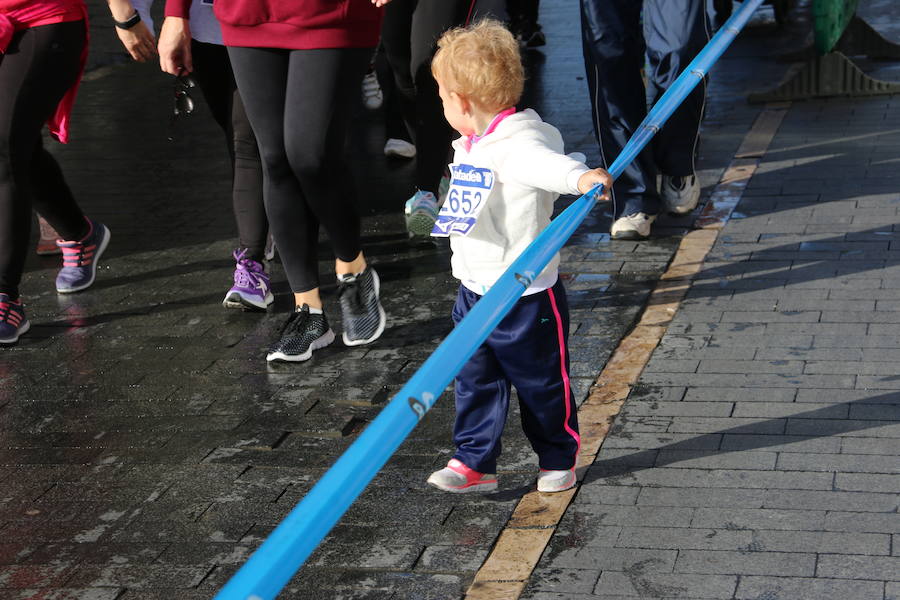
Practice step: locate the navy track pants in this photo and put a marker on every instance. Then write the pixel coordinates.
(615, 44)
(528, 349)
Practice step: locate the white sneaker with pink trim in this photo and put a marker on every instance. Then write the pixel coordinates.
(457, 478)
(556, 481)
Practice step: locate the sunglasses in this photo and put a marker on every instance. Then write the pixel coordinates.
(184, 104)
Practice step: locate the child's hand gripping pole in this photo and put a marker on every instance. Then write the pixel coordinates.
(591, 179)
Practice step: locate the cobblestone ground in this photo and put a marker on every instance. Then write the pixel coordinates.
(146, 448)
(758, 456)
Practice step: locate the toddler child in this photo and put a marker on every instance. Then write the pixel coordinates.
(508, 169)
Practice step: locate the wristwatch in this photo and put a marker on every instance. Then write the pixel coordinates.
(130, 22)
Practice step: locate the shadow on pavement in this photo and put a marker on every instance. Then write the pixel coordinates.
(819, 423)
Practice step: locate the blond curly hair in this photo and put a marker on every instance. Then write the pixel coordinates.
(481, 62)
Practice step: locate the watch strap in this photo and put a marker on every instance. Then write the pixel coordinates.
(130, 22)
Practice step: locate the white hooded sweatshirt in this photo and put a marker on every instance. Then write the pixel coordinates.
(530, 171)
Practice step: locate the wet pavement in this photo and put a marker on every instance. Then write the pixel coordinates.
(147, 448)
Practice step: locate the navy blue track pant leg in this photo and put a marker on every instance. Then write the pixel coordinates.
(528, 349)
(675, 31)
(614, 45)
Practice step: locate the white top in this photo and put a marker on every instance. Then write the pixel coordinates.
(530, 172)
(204, 26)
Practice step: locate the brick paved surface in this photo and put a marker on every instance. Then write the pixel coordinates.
(757, 458)
(146, 448)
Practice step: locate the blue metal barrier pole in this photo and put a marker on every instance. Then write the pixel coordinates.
(273, 564)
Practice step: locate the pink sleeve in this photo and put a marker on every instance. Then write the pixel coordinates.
(6, 32)
(178, 8)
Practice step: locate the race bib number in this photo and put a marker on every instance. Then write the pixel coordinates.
(469, 190)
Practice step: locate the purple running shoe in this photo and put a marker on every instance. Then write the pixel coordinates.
(251, 290)
(80, 259)
(12, 320)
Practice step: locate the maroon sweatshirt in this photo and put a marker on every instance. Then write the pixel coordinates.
(294, 24)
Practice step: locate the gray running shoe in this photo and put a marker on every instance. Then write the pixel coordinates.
(300, 335)
(372, 95)
(363, 315)
(398, 148)
(680, 193)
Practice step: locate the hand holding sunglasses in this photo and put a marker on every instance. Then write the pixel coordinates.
(184, 104)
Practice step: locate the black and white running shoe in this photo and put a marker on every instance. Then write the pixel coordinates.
(302, 333)
(363, 315)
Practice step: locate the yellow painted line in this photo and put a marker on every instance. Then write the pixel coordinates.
(515, 553)
(506, 570)
(496, 590)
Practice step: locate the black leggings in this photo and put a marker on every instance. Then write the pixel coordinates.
(394, 123)
(40, 65)
(212, 70)
(299, 102)
(523, 14)
(409, 35)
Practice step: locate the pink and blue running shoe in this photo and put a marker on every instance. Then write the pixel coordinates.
(80, 259)
(421, 212)
(12, 320)
(251, 289)
(457, 478)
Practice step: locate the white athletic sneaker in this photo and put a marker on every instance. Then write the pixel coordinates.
(371, 92)
(555, 481)
(680, 194)
(632, 227)
(399, 148)
(457, 478)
